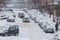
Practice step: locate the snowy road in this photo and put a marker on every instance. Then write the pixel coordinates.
(28, 31)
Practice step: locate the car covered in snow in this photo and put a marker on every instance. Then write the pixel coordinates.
(46, 26)
(11, 30)
(3, 17)
(11, 15)
(33, 16)
(7, 14)
(49, 28)
(11, 19)
(38, 20)
(42, 25)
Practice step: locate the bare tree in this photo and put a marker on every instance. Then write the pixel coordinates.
(37, 3)
(2, 3)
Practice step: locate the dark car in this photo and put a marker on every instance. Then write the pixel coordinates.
(26, 20)
(12, 31)
(21, 15)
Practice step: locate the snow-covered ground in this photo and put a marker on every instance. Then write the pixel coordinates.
(28, 31)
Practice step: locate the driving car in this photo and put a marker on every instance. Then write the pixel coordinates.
(21, 15)
(11, 30)
(26, 20)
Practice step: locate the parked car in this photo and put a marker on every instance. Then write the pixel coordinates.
(49, 29)
(21, 15)
(11, 19)
(3, 17)
(8, 14)
(36, 20)
(26, 20)
(13, 30)
(33, 17)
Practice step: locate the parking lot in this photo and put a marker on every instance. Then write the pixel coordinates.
(27, 31)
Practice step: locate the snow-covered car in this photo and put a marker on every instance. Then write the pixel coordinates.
(11, 30)
(40, 18)
(49, 29)
(33, 17)
(21, 15)
(36, 20)
(26, 19)
(11, 19)
(8, 14)
(42, 25)
(3, 17)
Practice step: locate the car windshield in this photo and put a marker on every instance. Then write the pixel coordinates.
(13, 27)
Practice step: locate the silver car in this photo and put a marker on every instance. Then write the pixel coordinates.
(26, 20)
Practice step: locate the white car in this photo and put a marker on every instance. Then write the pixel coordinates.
(3, 16)
(33, 17)
(11, 19)
(49, 29)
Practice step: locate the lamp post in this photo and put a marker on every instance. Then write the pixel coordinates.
(54, 13)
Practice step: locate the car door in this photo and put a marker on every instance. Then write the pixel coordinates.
(11, 30)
